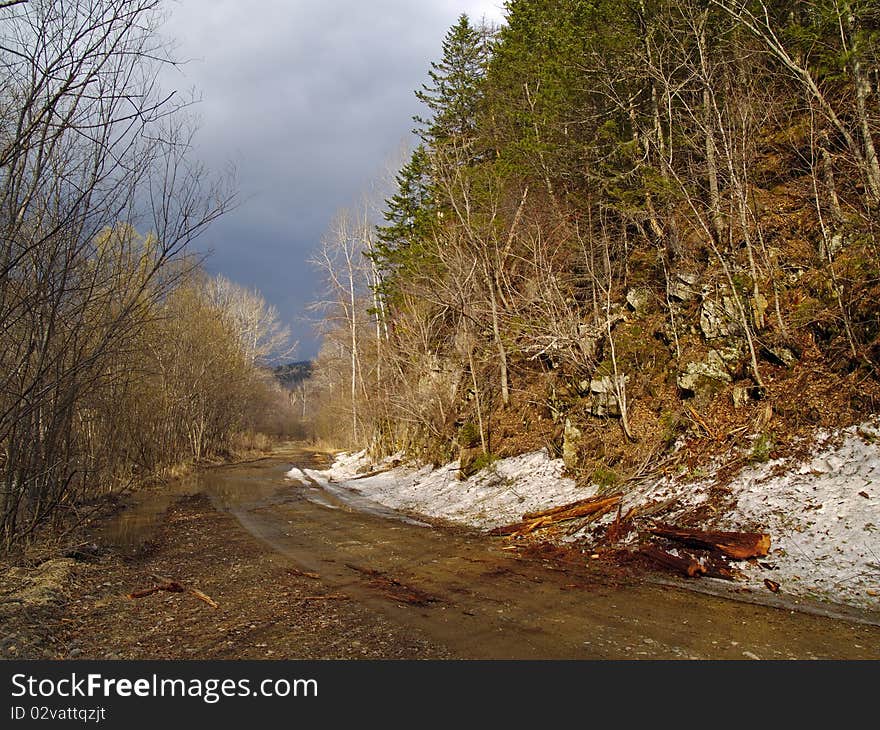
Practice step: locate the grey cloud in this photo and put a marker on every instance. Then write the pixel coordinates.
(307, 99)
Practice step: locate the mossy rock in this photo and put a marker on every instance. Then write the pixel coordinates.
(571, 435)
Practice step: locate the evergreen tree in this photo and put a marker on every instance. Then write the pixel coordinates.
(454, 93)
(452, 98)
(410, 213)
(550, 107)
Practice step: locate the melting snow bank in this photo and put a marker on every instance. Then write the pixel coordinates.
(495, 496)
(822, 513)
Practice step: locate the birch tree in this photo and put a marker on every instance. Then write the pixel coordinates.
(346, 272)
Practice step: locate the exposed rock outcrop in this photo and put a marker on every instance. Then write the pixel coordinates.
(603, 395)
(571, 434)
(716, 317)
(703, 377)
(683, 286)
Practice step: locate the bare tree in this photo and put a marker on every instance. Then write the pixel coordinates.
(87, 139)
(491, 251)
(859, 141)
(340, 258)
(264, 339)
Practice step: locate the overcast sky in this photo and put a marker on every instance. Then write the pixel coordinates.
(309, 100)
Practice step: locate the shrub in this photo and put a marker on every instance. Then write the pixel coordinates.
(761, 447)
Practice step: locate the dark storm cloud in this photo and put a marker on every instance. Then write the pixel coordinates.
(309, 100)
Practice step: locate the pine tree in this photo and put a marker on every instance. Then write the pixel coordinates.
(410, 213)
(454, 93)
(452, 98)
(547, 108)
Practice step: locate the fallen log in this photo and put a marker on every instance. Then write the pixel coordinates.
(564, 507)
(572, 511)
(717, 567)
(592, 517)
(686, 565)
(737, 545)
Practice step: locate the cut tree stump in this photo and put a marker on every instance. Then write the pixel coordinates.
(533, 521)
(737, 545)
(686, 566)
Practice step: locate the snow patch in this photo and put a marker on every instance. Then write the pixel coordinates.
(825, 531)
(823, 516)
(296, 474)
(495, 496)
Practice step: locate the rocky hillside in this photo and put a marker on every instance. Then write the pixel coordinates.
(618, 238)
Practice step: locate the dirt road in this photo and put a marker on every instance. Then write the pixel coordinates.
(301, 572)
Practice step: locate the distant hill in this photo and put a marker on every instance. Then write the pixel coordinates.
(293, 373)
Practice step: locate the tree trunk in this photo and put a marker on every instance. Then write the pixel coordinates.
(738, 545)
(711, 163)
(863, 90)
(499, 343)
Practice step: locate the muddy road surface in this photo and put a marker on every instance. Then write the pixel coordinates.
(300, 571)
(468, 594)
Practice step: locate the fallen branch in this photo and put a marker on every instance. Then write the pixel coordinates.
(375, 472)
(539, 520)
(651, 508)
(592, 517)
(621, 526)
(696, 418)
(204, 597)
(172, 586)
(737, 545)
